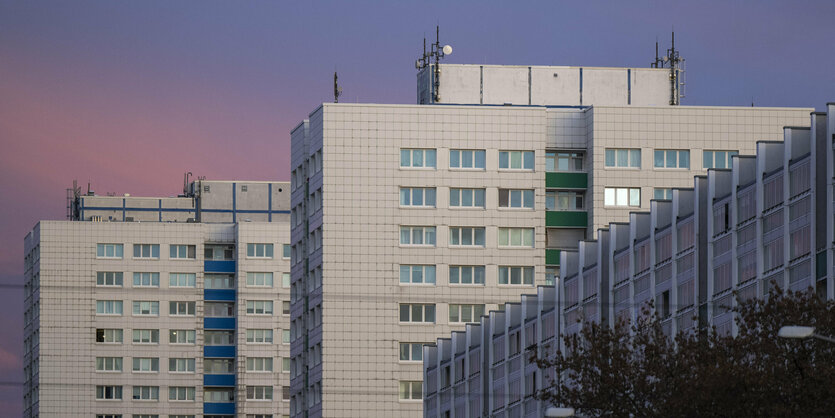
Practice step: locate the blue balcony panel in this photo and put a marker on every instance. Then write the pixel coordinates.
(219, 323)
(219, 266)
(218, 380)
(225, 295)
(218, 408)
(222, 351)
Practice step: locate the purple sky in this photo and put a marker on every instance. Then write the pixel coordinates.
(131, 94)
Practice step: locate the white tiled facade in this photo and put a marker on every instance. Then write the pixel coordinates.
(347, 183)
(68, 325)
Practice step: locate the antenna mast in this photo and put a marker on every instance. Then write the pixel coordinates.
(337, 91)
(437, 52)
(675, 63)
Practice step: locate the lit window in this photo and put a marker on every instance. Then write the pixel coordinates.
(466, 198)
(512, 198)
(109, 307)
(411, 390)
(259, 364)
(460, 158)
(516, 237)
(181, 280)
(622, 196)
(516, 160)
(560, 200)
(417, 196)
(181, 365)
(417, 274)
(718, 159)
(106, 335)
(145, 307)
(260, 336)
(109, 278)
(145, 250)
(182, 252)
(259, 307)
(466, 236)
(180, 393)
(417, 158)
(466, 275)
(465, 313)
(146, 393)
(417, 235)
(259, 250)
(417, 312)
(145, 279)
(623, 158)
(259, 279)
(516, 275)
(659, 193)
(145, 364)
(146, 336)
(181, 336)
(109, 250)
(563, 161)
(411, 351)
(671, 158)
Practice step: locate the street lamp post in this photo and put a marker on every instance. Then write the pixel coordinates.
(801, 332)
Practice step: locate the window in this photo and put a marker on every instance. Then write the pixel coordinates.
(259, 279)
(145, 250)
(670, 158)
(417, 158)
(515, 275)
(259, 393)
(466, 198)
(218, 366)
(259, 364)
(259, 307)
(718, 159)
(219, 309)
(563, 161)
(145, 279)
(146, 336)
(181, 336)
(623, 158)
(516, 237)
(181, 279)
(464, 235)
(516, 160)
(218, 395)
(622, 196)
(550, 276)
(417, 196)
(285, 336)
(285, 307)
(285, 393)
(108, 392)
(261, 336)
(662, 194)
(259, 250)
(108, 364)
(417, 274)
(286, 250)
(182, 251)
(411, 351)
(417, 312)
(109, 251)
(109, 307)
(145, 307)
(105, 335)
(145, 364)
(146, 393)
(219, 281)
(285, 280)
(465, 313)
(564, 200)
(460, 158)
(180, 393)
(417, 235)
(181, 365)
(512, 198)
(221, 338)
(285, 364)
(218, 252)
(107, 415)
(181, 308)
(466, 275)
(109, 278)
(410, 390)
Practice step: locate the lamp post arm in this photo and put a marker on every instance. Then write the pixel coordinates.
(825, 338)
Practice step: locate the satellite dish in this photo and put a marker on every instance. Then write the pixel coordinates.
(447, 50)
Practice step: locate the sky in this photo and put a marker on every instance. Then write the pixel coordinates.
(130, 95)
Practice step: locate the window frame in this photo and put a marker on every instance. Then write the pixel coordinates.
(140, 277)
(426, 231)
(266, 307)
(118, 250)
(264, 248)
(473, 275)
(408, 197)
(475, 195)
(506, 235)
(425, 308)
(615, 196)
(474, 157)
(680, 155)
(423, 269)
(460, 308)
(457, 235)
(631, 164)
(524, 273)
(507, 157)
(525, 196)
(175, 253)
(139, 252)
(424, 152)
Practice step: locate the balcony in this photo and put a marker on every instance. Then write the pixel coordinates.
(225, 295)
(218, 380)
(566, 180)
(219, 351)
(218, 323)
(219, 266)
(567, 219)
(219, 408)
(552, 257)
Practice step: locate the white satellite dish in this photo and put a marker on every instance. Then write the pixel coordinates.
(447, 50)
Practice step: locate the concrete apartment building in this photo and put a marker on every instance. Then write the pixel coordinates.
(409, 221)
(161, 307)
(767, 219)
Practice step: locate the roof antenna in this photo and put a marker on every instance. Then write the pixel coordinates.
(437, 52)
(337, 91)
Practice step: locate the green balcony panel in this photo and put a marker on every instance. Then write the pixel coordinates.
(552, 257)
(566, 180)
(579, 219)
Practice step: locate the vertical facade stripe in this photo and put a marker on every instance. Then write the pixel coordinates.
(269, 202)
(629, 86)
